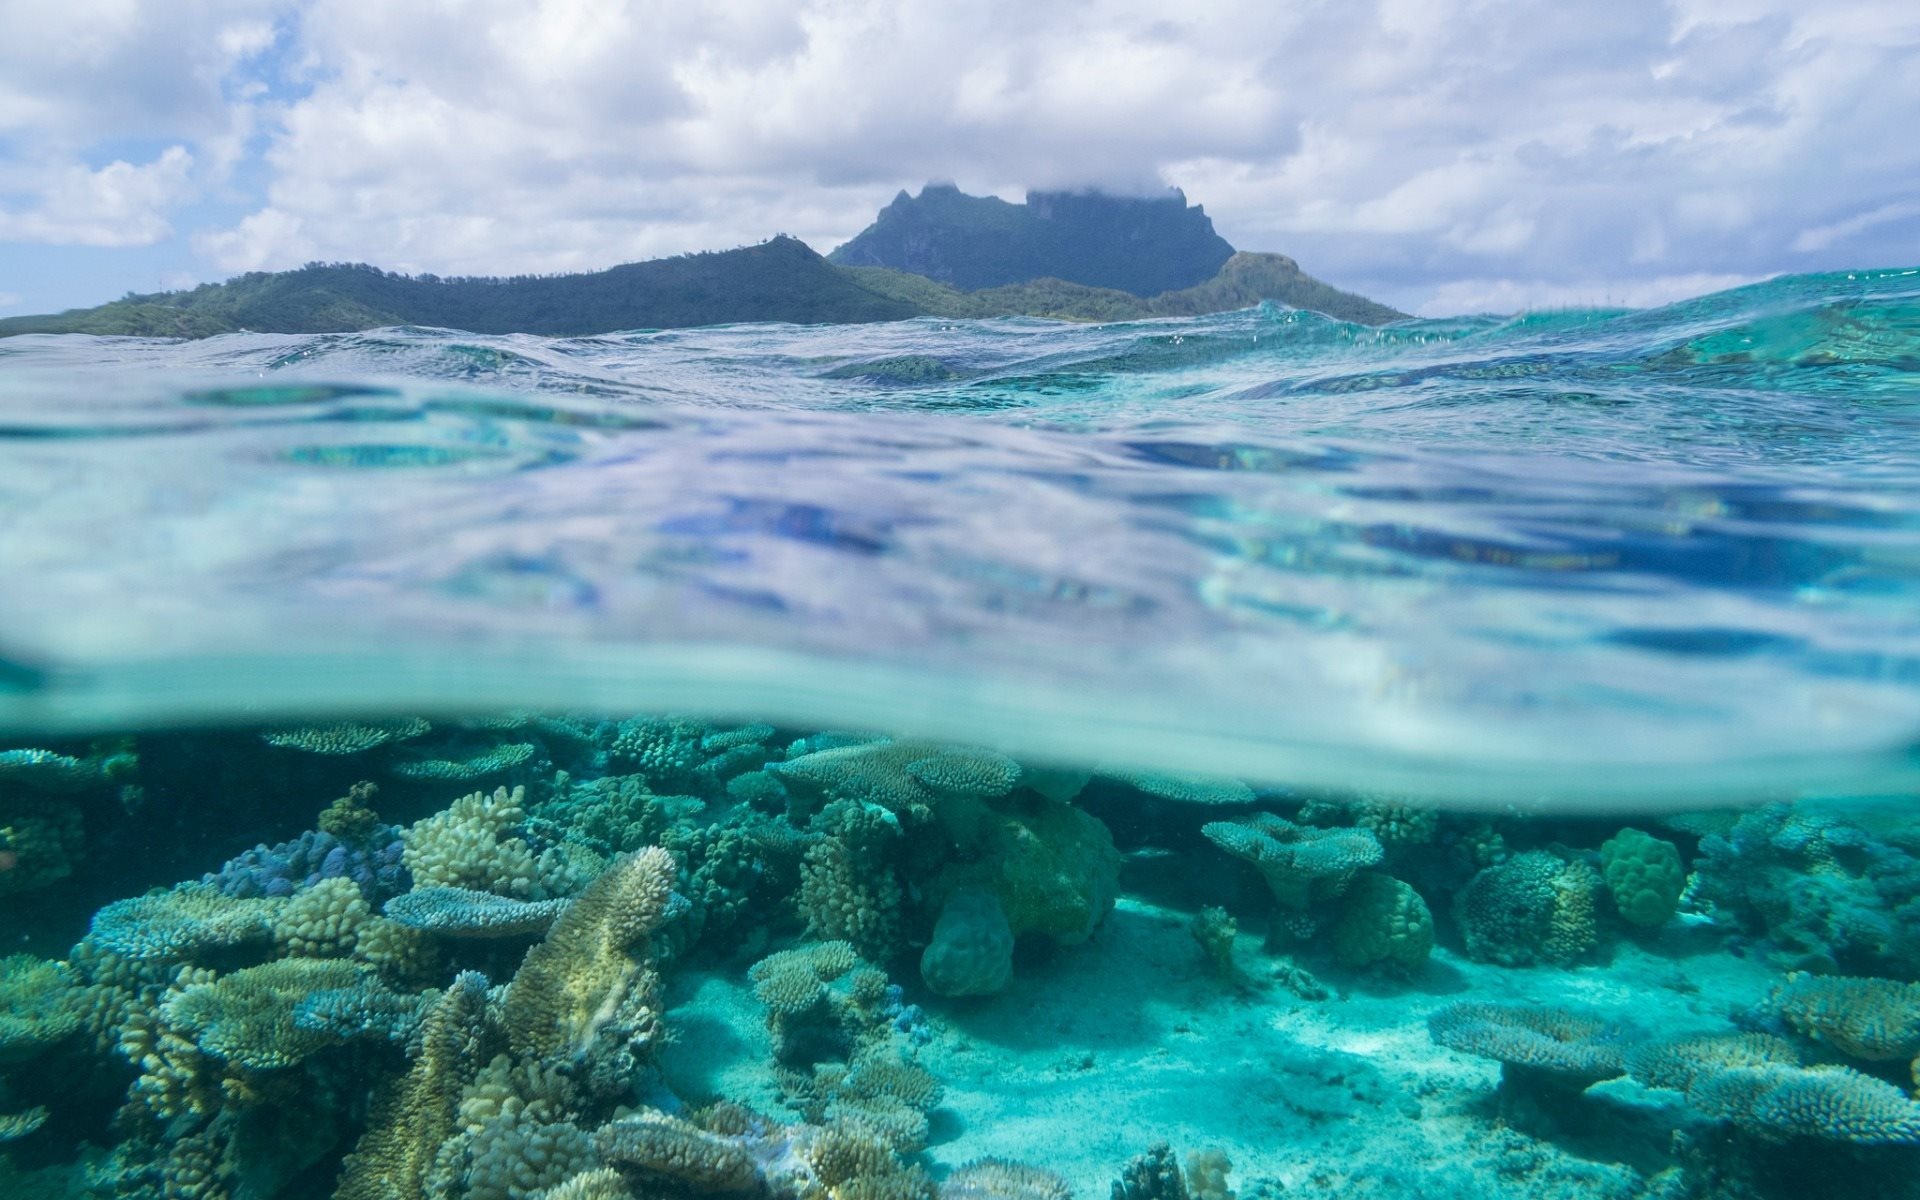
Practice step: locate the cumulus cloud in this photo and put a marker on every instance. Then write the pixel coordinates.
(1437, 153)
(120, 204)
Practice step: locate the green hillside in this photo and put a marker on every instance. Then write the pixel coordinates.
(778, 280)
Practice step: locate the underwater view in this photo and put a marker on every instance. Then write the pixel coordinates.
(1238, 756)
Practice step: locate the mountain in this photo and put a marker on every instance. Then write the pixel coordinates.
(778, 280)
(1146, 246)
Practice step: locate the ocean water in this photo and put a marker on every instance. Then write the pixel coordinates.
(1248, 756)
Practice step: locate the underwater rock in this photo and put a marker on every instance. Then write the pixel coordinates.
(971, 953)
(1383, 923)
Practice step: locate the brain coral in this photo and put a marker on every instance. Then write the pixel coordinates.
(1383, 922)
(1534, 907)
(1569, 1045)
(1645, 876)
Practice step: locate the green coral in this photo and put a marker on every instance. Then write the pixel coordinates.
(1644, 875)
(1383, 923)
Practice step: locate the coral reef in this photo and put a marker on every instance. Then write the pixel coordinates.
(1302, 864)
(1383, 923)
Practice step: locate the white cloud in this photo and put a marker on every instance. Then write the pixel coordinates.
(1439, 152)
(120, 204)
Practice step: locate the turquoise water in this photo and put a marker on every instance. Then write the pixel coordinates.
(1361, 758)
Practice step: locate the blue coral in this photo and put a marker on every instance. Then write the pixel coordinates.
(297, 865)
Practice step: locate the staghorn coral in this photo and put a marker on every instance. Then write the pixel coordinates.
(881, 1093)
(793, 981)
(322, 922)
(346, 737)
(842, 1163)
(1383, 923)
(1777, 1101)
(179, 924)
(1002, 1179)
(471, 845)
(40, 1005)
(1644, 875)
(971, 953)
(679, 1153)
(1301, 864)
(1876, 1020)
(589, 977)
(413, 1116)
(1566, 1046)
(1534, 907)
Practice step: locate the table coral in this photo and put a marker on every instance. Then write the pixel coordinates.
(1300, 863)
(1570, 1046)
(1184, 789)
(1779, 1101)
(465, 913)
(341, 738)
(182, 922)
(1003, 1179)
(247, 1018)
(918, 782)
(1876, 1020)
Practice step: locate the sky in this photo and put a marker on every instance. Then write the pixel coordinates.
(1444, 156)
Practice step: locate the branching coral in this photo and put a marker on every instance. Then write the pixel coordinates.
(324, 921)
(679, 1153)
(471, 845)
(247, 1018)
(1300, 863)
(1568, 1046)
(843, 902)
(589, 978)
